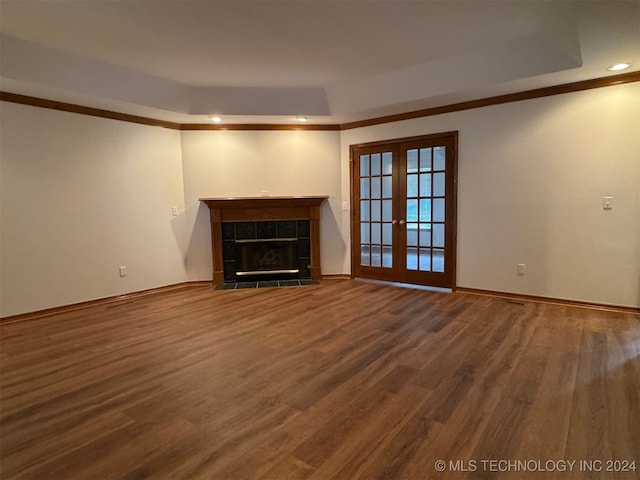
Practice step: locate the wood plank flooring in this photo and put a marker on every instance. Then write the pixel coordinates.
(341, 380)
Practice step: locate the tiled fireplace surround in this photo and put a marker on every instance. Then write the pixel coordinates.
(264, 217)
(285, 229)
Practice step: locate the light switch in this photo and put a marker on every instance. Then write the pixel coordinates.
(607, 203)
(345, 206)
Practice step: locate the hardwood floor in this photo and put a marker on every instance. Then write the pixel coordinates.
(339, 380)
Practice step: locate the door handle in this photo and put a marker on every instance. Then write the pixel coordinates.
(402, 222)
(394, 221)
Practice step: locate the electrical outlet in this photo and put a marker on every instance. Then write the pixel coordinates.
(345, 206)
(522, 269)
(174, 211)
(123, 271)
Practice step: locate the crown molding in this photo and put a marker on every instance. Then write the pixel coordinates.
(94, 112)
(258, 126)
(500, 99)
(428, 112)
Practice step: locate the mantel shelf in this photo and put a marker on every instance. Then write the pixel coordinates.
(262, 202)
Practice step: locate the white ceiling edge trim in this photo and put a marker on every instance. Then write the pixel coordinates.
(527, 57)
(40, 65)
(258, 101)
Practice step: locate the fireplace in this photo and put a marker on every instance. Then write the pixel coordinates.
(265, 238)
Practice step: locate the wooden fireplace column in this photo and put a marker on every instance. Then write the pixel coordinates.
(263, 209)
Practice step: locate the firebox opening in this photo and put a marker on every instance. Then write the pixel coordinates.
(268, 256)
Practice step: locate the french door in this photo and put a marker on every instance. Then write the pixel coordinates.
(404, 210)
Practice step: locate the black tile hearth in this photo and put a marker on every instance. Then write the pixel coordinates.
(287, 229)
(303, 229)
(304, 248)
(229, 250)
(228, 231)
(303, 263)
(230, 271)
(266, 229)
(245, 230)
(265, 284)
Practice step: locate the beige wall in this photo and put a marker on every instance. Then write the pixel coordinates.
(246, 163)
(81, 196)
(532, 175)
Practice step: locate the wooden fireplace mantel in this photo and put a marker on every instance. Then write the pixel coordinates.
(259, 209)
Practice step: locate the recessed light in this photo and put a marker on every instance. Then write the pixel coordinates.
(302, 119)
(215, 119)
(618, 66)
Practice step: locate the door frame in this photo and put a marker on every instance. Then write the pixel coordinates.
(452, 137)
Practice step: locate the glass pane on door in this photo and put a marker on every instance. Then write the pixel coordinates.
(376, 196)
(438, 209)
(425, 207)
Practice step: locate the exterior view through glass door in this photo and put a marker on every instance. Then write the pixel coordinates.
(404, 210)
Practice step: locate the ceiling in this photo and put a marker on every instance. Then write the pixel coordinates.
(333, 61)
